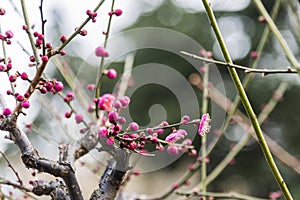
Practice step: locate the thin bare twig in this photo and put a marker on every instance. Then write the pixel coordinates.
(12, 168)
(264, 72)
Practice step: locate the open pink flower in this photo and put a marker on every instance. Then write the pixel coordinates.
(176, 135)
(106, 102)
(204, 125)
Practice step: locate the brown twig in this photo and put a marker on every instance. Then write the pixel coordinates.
(12, 168)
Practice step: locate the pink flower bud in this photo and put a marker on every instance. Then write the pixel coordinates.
(71, 95)
(110, 141)
(32, 59)
(101, 52)
(25, 104)
(49, 86)
(2, 11)
(9, 34)
(8, 66)
(122, 120)
(118, 12)
(83, 32)
(20, 98)
(133, 126)
(89, 12)
(254, 54)
(78, 118)
(113, 117)
(111, 74)
(173, 150)
(24, 76)
(91, 108)
(2, 68)
(68, 114)
(90, 87)
(62, 38)
(125, 101)
(6, 111)
(12, 78)
(58, 86)
(103, 132)
(45, 58)
(117, 104)
(62, 52)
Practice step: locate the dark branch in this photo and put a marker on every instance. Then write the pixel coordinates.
(31, 159)
(56, 189)
(113, 175)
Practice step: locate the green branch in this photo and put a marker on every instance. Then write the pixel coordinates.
(288, 53)
(246, 103)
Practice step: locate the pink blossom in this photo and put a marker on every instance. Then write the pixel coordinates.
(133, 126)
(185, 119)
(117, 105)
(173, 150)
(78, 118)
(102, 132)
(122, 120)
(112, 74)
(24, 76)
(6, 111)
(25, 104)
(45, 58)
(2, 11)
(113, 117)
(62, 38)
(71, 95)
(68, 114)
(101, 52)
(275, 195)
(110, 141)
(118, 12)
(90, 87)
(58, 86)
(176, 135)
(106, 102)
(12, 78)
(204, 125)
(9, 34)
(125, 101)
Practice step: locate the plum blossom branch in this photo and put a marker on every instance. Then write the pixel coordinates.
(77, 31)
(29, 33)
(6, 62)
(264, 72)
(105, 54)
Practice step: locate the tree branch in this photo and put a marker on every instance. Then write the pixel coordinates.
(31, 159)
